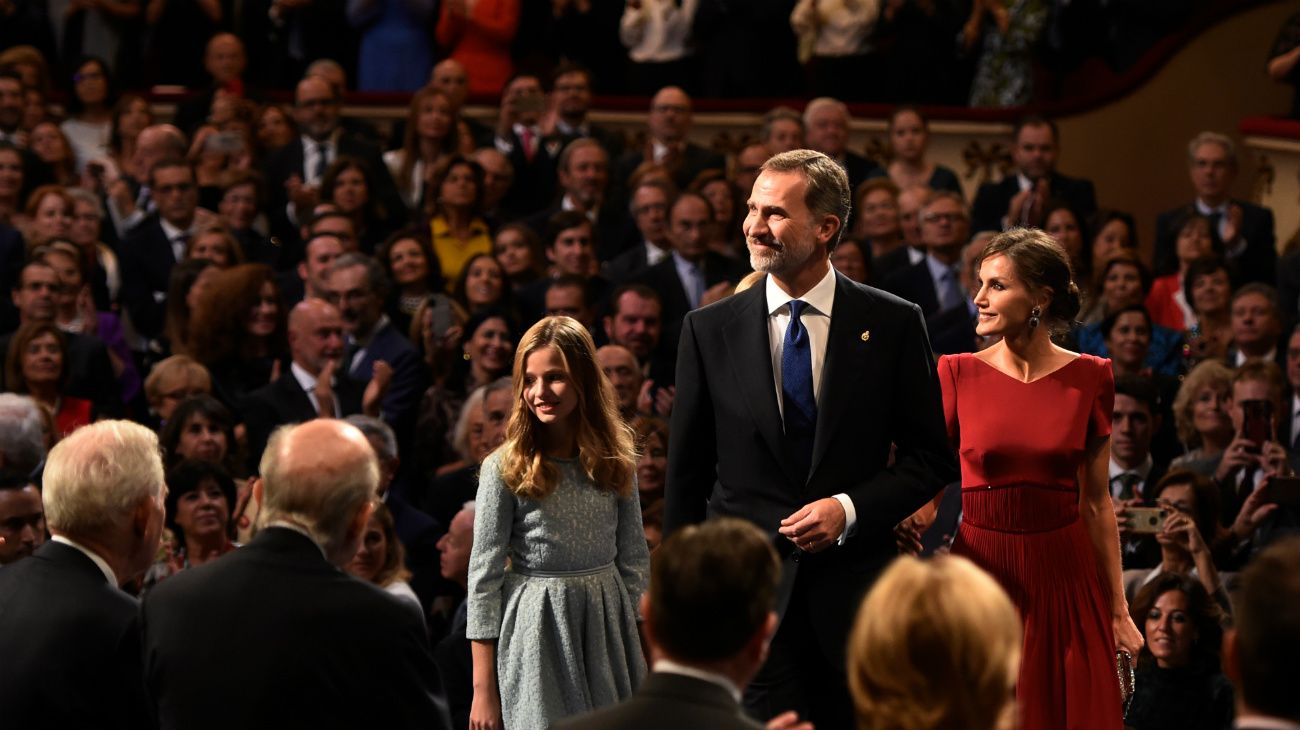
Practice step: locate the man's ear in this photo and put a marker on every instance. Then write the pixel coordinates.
(827, 229)
(140, 516)
(257, 492)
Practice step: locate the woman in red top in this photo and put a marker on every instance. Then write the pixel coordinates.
(1167, 301)
(1032, 425)
(478, 34)
(36, 365)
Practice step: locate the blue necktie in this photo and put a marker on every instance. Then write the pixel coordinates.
(800, 406)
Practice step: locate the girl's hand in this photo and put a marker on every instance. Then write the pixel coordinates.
(485, 711)
(1127, 636)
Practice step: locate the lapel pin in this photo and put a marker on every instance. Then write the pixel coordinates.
(866, 335)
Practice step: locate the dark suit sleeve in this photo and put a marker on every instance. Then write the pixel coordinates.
(1165, 256)
(98, 382)
(988, 209)
(259, 421)
(924, 460)
(136, 709)
(147, 314)
(692, 447)
(412, 678)
(1259, 261)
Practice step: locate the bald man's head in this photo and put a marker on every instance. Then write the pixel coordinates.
(315, 334)
(670, 115)
(224, 59)
(624, 373)
(316, 107)
(154, 144)
(450, 78)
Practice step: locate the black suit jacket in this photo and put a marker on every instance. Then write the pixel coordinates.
(419, 535)
(146, 262)
(13, 252)
(668, 700)
(663, 278)
(534, 184)
(992, 199)
(1257, 263)
(410, 378)
(284, 401)
(626, 266)
(728, 454)
(915, 284)
(70, 644)
(611, 226)
(90, 373)
(694, 160)
(272, 635)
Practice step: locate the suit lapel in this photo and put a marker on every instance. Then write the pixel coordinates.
(750, 353)
(844, 363)
(296, 399)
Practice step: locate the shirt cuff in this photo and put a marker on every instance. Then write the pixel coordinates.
(503, 145)
(850, 518)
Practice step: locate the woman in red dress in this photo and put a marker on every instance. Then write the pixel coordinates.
(1032, 425)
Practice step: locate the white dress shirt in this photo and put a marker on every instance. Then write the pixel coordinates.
(817, 321)
(658, 31)
(174, 237)
(308, 383)
(1142, 471)
(1234, 248)
(839, 27)
(311, 152)
(99, 562)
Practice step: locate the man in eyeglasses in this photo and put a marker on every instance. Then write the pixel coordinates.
(934, 283)
(154, 246)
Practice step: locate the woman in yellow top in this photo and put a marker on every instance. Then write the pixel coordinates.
(456, 215)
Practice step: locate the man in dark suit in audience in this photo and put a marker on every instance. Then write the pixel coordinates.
(452, 654)
(668, 144)
(520, 137)
(571, 251)
(1134, 473)
(1246, 229)
(153, 247)
(826, 129)
(571, 95)
(1261, 652)
(649, 204)
(584, 178)
(275, 633)
(317, 384)
(70, 637)
(635, 321)
(935, 284)
(1021, 199)
(708, 620)
(13, 252)
(820, 453)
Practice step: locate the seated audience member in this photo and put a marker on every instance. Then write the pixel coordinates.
(1136, 418)
(1254, 454)
(826, 129)
(309, 279)
(620, 366)
(567, 295)
(22, 434)
(325, 219)
(104, 274)
(1065, 226)
(455, 207)
(452, 654)
(1122, 284)
(1133, 343)
(852, 259)
(1020, 199)
(317, 384)
(1109, 231)
(482, 285)
(635, 321)
(240, 208)
(430, 139)
(68, 626)
(1208, 287)
(351, 186)
(725, 236)
(571, 87)
(413, 268)
(909, 138)
(953, 330)
(519, 250)
(910, 201)
(88, 368)
(22, 516)
(188, 284)
(498, 178)
(200, 502)
(648, 204)
(936, 645)
(301, 642)
(934, 284)
(531, 152)
(417, 533)
(668, 130)
(37, 363)
(173, 381)
(381, 560)
(216, 244)
(1261, 652)
(1201, 417)
(1121, 280)
(1178, 682)
(48, 216)
(237, 330)
(201, 428)
(572, 253)
(652, 465)
(1187, 540)
(878, 225)
(1167, 300)
(782, 130)
(1256, 326)
(708, 618)
(358, 288)
(583, 174)
(748, 162)
(1244, 230)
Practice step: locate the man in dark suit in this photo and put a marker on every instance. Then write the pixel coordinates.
(70, 637)
(12, 254)
(1261, 652)
(786, 413)
(452, 654)
(316, 384)
(571, 96)
(571, 253)
(294, 172)
(1245, 229)
(826, 129)
(635, 321)
(935, 284)
(1021, 199)
(704, 658)
(225, 61)
(584, 179)
(669, 126)
(1136, 418)
(520, 137)
(153, 247)
(651, 242)
(287, 638)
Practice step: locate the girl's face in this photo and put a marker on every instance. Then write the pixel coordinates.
(652, 466)
(549, 393)
(1210, 411)
(135, 117)
(42, 362)
(372, 554)
(907, 136)
(490, 346)
(214, 247)
(203, 512)
(1121, 287)
(48, 143)
(434, 119)
(262, 318)
(273, 128)
(458, 189)
(1064, 227)
(484, 283)
(1211, 292)
(90, 84)
(718, 193)
(1194, 241)
(1170, 632)
(408, 262)
(512, 251)
(203, 439)
(350, 191)
(1130, 339)
(84, 229)
(53, 217)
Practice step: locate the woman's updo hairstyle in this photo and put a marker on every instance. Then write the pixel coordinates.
(1044, 266)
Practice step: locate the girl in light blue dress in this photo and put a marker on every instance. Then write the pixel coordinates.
(559, 561)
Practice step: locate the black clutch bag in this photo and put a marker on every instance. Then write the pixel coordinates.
(1127, 676)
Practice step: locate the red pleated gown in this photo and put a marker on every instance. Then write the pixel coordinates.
(1021, 446)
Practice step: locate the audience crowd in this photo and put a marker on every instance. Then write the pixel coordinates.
(244, 266)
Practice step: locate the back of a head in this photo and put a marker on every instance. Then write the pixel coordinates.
(712, 587)
(96, 476)
(317, 475)
(22, 440)
(1267, 615)
(936, 644)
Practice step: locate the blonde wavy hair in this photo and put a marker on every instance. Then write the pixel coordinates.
(606, 445)
(936, 644)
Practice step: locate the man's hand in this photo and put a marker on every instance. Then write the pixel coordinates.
(304, 197)
(1240, 453)
(788, 721)
(325, 390)
(1253, 511)
(816, 526)
(1231, 224)
(381, 376)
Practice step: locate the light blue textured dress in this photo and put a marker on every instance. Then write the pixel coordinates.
(564, 610)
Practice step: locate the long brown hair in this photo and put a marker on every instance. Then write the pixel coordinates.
(411, 140)
(218, 324)
(606, 445)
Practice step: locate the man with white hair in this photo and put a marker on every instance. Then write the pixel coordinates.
(22, 440)
(70, 638)
(275, 632)
(826, 129)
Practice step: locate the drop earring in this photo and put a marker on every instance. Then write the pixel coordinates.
(1034, 317)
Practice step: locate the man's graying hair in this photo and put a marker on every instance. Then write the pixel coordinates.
(828, 185)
